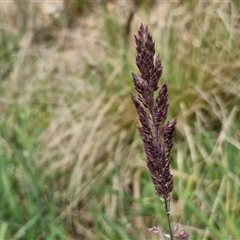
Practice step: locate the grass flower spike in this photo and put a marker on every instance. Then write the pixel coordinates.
(157, 136)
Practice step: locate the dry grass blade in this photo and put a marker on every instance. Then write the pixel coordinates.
(218, 148)
(216, 205)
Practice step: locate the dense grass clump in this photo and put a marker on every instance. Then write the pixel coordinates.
(72, 163)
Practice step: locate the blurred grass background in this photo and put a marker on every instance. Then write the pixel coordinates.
(71, 160)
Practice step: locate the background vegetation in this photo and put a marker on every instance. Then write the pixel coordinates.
(71, 161)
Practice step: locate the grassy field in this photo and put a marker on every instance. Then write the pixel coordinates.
(72, 164)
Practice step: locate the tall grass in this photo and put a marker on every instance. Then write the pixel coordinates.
(72, 163)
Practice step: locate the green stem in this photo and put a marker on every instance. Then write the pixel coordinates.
(167, 209)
